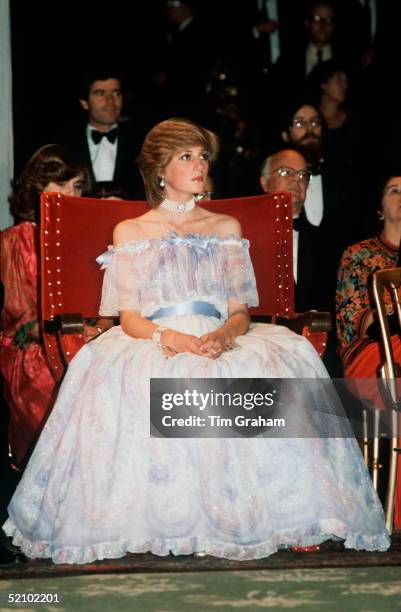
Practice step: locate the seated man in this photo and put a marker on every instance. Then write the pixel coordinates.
(287, 170)
(107, 146)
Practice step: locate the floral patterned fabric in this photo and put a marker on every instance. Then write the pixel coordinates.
(360, 353)
(352, 299)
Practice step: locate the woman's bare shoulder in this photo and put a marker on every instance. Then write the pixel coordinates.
(127, 230)
(225, 225)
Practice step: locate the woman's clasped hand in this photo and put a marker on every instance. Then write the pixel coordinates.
(209, 345)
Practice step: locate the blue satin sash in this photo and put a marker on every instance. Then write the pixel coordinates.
(202, 308)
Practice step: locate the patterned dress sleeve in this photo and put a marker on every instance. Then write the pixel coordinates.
(352, 296)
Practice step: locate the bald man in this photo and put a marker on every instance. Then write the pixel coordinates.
(287, 170)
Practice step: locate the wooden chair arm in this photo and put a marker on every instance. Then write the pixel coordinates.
(68, 323)
(314, 320)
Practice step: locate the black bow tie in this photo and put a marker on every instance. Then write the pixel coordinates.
(111, 135)
(316, 168)
(296, 224)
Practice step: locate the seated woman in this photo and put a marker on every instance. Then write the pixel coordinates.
(98, 485)
(108, 190)
(29, 387)
(327, 85)
(356, 329)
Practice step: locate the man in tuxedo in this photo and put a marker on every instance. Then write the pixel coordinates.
(287, 170)
(319, 44)
(109, 148)
(329, 202)
(303, 131)
(320, 26)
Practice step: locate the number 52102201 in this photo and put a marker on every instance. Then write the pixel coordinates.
(34, 598)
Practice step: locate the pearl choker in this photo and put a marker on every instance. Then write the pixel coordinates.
(179, 207)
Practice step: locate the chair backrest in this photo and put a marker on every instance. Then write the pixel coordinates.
(74, 231)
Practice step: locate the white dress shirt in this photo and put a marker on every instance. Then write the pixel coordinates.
(274, 37)
(372, 4)
(103, 155)
(314, 200)
(312, 56)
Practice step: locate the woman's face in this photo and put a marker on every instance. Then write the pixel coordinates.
(391, 202)
(186, 174)
(336, 86)
(73, 187)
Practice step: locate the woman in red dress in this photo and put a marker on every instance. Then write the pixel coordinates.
(29, 387)
(356, 329)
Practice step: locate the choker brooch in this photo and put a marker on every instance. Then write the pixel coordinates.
(179, 207)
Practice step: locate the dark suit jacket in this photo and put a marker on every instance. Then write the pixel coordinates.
(354, 28)
(312, 288)
(187, 58)
(289, 76)
(245, 15)
(126, 172)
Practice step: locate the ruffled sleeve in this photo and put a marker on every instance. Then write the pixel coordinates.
(150, 274)
(122, 282)
(240, 277)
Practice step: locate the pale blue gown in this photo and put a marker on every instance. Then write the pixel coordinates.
(98, 486)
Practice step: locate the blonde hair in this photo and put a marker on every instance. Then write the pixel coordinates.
(160, 145)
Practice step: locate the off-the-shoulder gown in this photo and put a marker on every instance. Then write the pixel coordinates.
(98, 486)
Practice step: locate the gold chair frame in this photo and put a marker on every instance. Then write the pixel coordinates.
(389, 371)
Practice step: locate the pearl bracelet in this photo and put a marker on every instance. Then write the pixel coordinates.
(156, 336)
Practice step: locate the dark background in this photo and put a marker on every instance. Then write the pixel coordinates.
(54, 42)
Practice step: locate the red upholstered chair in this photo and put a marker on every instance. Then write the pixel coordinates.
(74, 231)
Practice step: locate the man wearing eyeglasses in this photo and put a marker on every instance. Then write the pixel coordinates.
(304, 132)
(329, 203)
(287, 170)
(320, 44)
(320, 26)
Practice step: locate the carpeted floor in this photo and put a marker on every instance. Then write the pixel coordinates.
(371, 589)
(332, 580)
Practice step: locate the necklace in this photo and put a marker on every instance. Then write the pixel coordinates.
(179, 207)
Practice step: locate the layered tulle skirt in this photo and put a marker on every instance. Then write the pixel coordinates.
(98, 486)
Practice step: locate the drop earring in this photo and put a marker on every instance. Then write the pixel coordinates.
(162, 182)
(380, 215)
